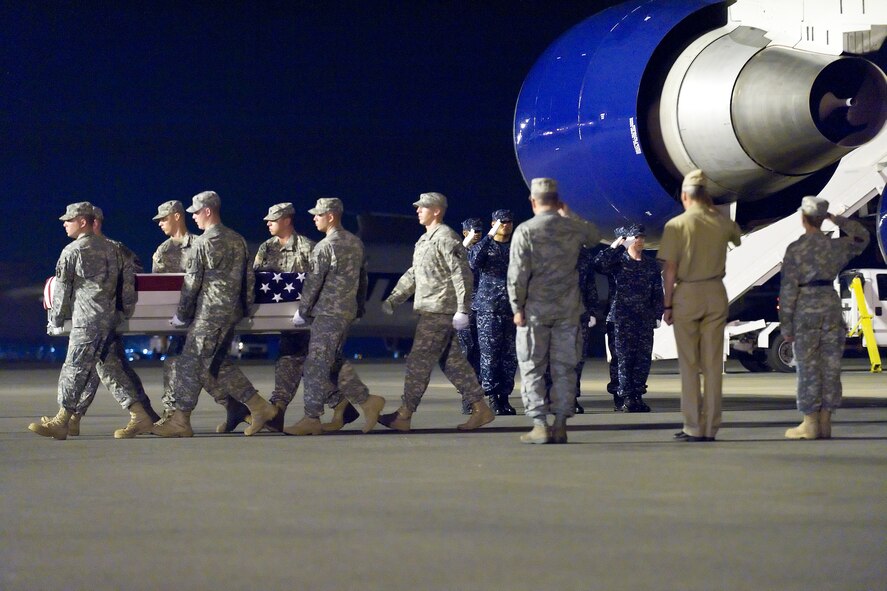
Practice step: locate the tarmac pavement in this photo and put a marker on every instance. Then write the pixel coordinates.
(623, 506)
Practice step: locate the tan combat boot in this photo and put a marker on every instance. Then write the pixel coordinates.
(339, 419)
(305, 426)
(178, 425)
(398, 420)
(56, 427)
(808, 429)
(539, 434)
(139, 422)
(73, 423)
(825, 424)
(261, 412)
(372, 408)
(480, 416)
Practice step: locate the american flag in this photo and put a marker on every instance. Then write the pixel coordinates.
(275, 288)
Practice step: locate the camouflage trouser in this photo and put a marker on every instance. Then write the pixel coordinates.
(288, 369)
(435, 341)
(634, 351)
(115, 372)
(498, 358)
(328, 377)
(613, 384)
(548, 345)
(819, 347)
(468, 341)
(85, 349)
(204, 364)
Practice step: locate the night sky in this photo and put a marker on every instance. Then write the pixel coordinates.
(264, 102)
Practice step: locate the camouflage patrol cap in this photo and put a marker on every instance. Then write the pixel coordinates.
(503, 215)
(475, 224)
(167, 208)
(630, 230)
(327, 205)
(74, 210)
(542, 186)
(275, 212)
(97, 213)
(694, 178)
(431, 200)
(814, 206)
(205, 199)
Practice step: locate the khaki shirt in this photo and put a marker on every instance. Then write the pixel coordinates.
(172, 255)
(337, 283)
(440, 277)
(543, 281)
(293, 256)
(696, 241)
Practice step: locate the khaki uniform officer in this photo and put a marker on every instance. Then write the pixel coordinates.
(441, 281)
(694, 251)
(543, 290)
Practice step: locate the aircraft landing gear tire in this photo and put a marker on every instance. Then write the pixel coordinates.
(780, 355)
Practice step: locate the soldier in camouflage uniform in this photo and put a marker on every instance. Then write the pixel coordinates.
(495, 326)
(441, 282)
(217, 292)
(472, 229)
(543, 288)
(635, 310)
(173, 253)
(86, 290)
(333, 296)
(810, 313)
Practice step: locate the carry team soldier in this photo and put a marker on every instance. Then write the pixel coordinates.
(86, 290)
(333, 297)
(694, 251)
(216, 293)
(810, 313)
(441, 282)
(543, 288)
(488, 259)
(635, 310)
(173, 253)
(472, 230)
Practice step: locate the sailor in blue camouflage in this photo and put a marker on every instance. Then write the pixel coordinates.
(472, 230)
(810, 308)
(635, 310)
(588, 291)
(488, 260)
(290, 252)
(333, 297)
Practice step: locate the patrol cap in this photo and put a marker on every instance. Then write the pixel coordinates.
(475, 224)
(327, 205)
(694, 178)
(77, 209)
(206, 199)
(503, 215)
(97, 213)
(630, 230)
(275, 212)
(431, 200)
(542, 186)
(814, 206)
(168, 207)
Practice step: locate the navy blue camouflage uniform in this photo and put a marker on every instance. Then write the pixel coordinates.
(588, 291)
(468, 336)
(496, 331)
(636, 306)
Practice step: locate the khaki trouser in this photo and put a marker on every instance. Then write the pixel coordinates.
(700, 314)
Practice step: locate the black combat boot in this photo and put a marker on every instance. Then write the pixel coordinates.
(235, 413)
(578, 409)
(504, 405)
(634, 404)
(493, 403)
(618, 402)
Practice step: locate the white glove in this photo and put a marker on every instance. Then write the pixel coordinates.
(592, 321)
(468, 238)
(494, 229)
(658, 323)
(174, 321)
(298, 320)
(616, 243)
(460, 321)
(53, 330)
(387, 308)
(629, 241)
